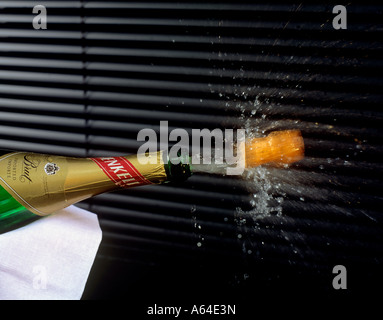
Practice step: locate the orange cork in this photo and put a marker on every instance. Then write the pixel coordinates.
(279, 147)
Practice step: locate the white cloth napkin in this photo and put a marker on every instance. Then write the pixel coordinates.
(49, 259)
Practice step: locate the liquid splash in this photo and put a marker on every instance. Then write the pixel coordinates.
(261, 183)
(264, 219)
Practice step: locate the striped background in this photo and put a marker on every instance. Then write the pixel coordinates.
(103, 70)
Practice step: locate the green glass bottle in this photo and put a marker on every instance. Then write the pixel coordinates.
(12, 214)
(35, 185)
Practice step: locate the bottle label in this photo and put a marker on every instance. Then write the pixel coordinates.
(121, 171)
(35, 181)
(45, 184)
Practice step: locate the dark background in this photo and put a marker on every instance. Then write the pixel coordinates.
(103, 70)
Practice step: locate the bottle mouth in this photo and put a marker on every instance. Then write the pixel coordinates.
(177, 169)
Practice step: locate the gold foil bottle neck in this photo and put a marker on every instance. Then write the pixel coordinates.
(45, 184)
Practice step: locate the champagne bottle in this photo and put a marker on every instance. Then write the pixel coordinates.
(35, 185)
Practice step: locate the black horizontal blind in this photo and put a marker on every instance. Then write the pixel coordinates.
(103, 70)
(41, 89)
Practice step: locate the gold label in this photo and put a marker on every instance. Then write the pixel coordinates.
(34, 180)
(46, 183)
